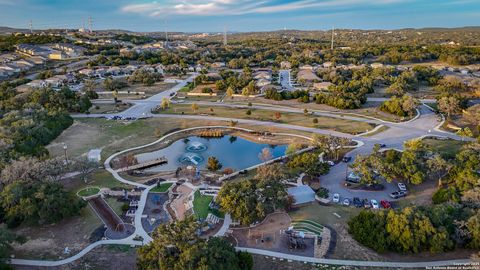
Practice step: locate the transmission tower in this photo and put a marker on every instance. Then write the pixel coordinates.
(333, 34)
(166, 34)
(90, 23)
(225, 41)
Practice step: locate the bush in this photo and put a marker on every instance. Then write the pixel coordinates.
(322, 192)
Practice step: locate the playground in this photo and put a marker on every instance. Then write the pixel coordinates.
(270, 235)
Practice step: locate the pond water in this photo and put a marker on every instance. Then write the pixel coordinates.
(232, 152)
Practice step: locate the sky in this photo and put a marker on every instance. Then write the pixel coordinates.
(239, 15)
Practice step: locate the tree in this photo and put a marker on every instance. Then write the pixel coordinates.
(213, 164)
(438, 167)
(85, 167)
(7, 238)
(194, 107)
(449, 105)
(230, 92)
(165, 103)
(176, 245)
(265, 155)
(309, 163)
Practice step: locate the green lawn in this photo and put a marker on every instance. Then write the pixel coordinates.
(89, 191)
(162, 187)
(447, 148)
(200, 204)
(324, 215)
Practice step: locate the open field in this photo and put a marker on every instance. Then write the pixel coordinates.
(108, 108)
(89, 191)
(369, 109)
(446, 148)
(346, 126)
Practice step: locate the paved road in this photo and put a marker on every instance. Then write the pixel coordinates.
(285, 79)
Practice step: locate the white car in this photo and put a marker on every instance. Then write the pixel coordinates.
(402, 187)
(374, 204)
(346, 202)
(330, 163)
(336, 198)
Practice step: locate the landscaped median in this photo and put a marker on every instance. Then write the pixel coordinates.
(300, 119)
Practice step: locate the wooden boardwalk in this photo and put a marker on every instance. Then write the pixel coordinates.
(144, 165)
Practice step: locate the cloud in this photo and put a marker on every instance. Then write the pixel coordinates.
(238, 7)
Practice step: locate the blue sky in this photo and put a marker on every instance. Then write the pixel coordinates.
(239, 15)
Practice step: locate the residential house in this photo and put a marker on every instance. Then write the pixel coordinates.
(87, 72)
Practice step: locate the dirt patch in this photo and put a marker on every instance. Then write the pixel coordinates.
(111, 257)
(49, 242)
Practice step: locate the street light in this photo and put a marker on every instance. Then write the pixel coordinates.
(65, 147)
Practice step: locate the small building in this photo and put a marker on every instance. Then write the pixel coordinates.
(301, 194)
(95, 155)
(285, 65)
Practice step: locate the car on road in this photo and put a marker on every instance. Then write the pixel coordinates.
(330, 163)
(402, 187)
(346, 202)
(366, 203)
(336, 198)
(382, 145)
(374, 204)
(385, 204)
(398, 194)
(357, 202)
(346, 159)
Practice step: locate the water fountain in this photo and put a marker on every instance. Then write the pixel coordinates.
(196, 147)
(191, 158)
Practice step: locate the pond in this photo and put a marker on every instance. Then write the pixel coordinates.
(232, 152)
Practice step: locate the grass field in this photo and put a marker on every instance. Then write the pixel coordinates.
(162, 187)
(200, 204)
(89, 191)
(380, 130)
(447, 148)
(341, 125)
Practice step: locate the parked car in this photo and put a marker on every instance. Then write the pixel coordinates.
(330, 163)
(385, 204)
(374, 204)
(336, 198)
(346, 202)
(402, 187)
(346, 159)
(382, 145)
(357, 202)
(366, 203)
(398, 194)
(353, 177)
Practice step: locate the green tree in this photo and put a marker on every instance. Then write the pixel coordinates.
(213, 164)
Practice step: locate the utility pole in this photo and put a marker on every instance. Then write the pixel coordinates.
(90, 22)
(333, 34)
(30, 25)
(225, 42)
